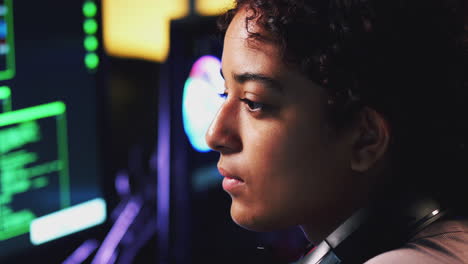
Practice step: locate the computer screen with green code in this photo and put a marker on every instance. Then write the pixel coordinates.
(50, 175)
(5, 99)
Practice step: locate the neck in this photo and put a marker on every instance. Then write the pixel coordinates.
(317, 229)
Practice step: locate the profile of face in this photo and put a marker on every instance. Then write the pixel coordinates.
(281, 163)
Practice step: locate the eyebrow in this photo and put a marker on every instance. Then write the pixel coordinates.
(269, 82)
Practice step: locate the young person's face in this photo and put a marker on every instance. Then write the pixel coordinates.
(272, 135)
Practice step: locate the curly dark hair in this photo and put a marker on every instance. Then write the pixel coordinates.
(405, 59)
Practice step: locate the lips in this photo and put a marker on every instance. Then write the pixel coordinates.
(231, 183)
(228, 175)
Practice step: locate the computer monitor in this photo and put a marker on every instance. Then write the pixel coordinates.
(50, 175)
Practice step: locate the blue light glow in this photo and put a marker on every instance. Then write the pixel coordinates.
(201, 100)
(3, 29)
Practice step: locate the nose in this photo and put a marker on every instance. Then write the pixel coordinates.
(223, 133)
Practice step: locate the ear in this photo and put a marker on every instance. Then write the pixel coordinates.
(370, 140)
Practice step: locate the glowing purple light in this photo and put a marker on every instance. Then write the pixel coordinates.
(82, 252)
(118, 230)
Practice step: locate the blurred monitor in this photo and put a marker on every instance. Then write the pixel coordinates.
(50, 183)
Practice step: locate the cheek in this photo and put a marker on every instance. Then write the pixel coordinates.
(291, 153)
(282, 167)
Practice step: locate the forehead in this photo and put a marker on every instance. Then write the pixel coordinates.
(241, 51)
(245, 22)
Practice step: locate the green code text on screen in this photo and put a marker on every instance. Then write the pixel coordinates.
(33, 182)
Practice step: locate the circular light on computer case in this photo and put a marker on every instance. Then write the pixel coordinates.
(89, 9)
(201, 100)
(91, 61)
(91, 43)
(90, 26)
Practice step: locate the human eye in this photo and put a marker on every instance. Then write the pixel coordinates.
(253, 106)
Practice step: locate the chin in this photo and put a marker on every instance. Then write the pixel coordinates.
(255, 219)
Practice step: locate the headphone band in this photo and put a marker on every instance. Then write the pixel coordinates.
(367, 233)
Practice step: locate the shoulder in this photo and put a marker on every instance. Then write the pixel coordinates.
(442, 242)
(402, 256)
